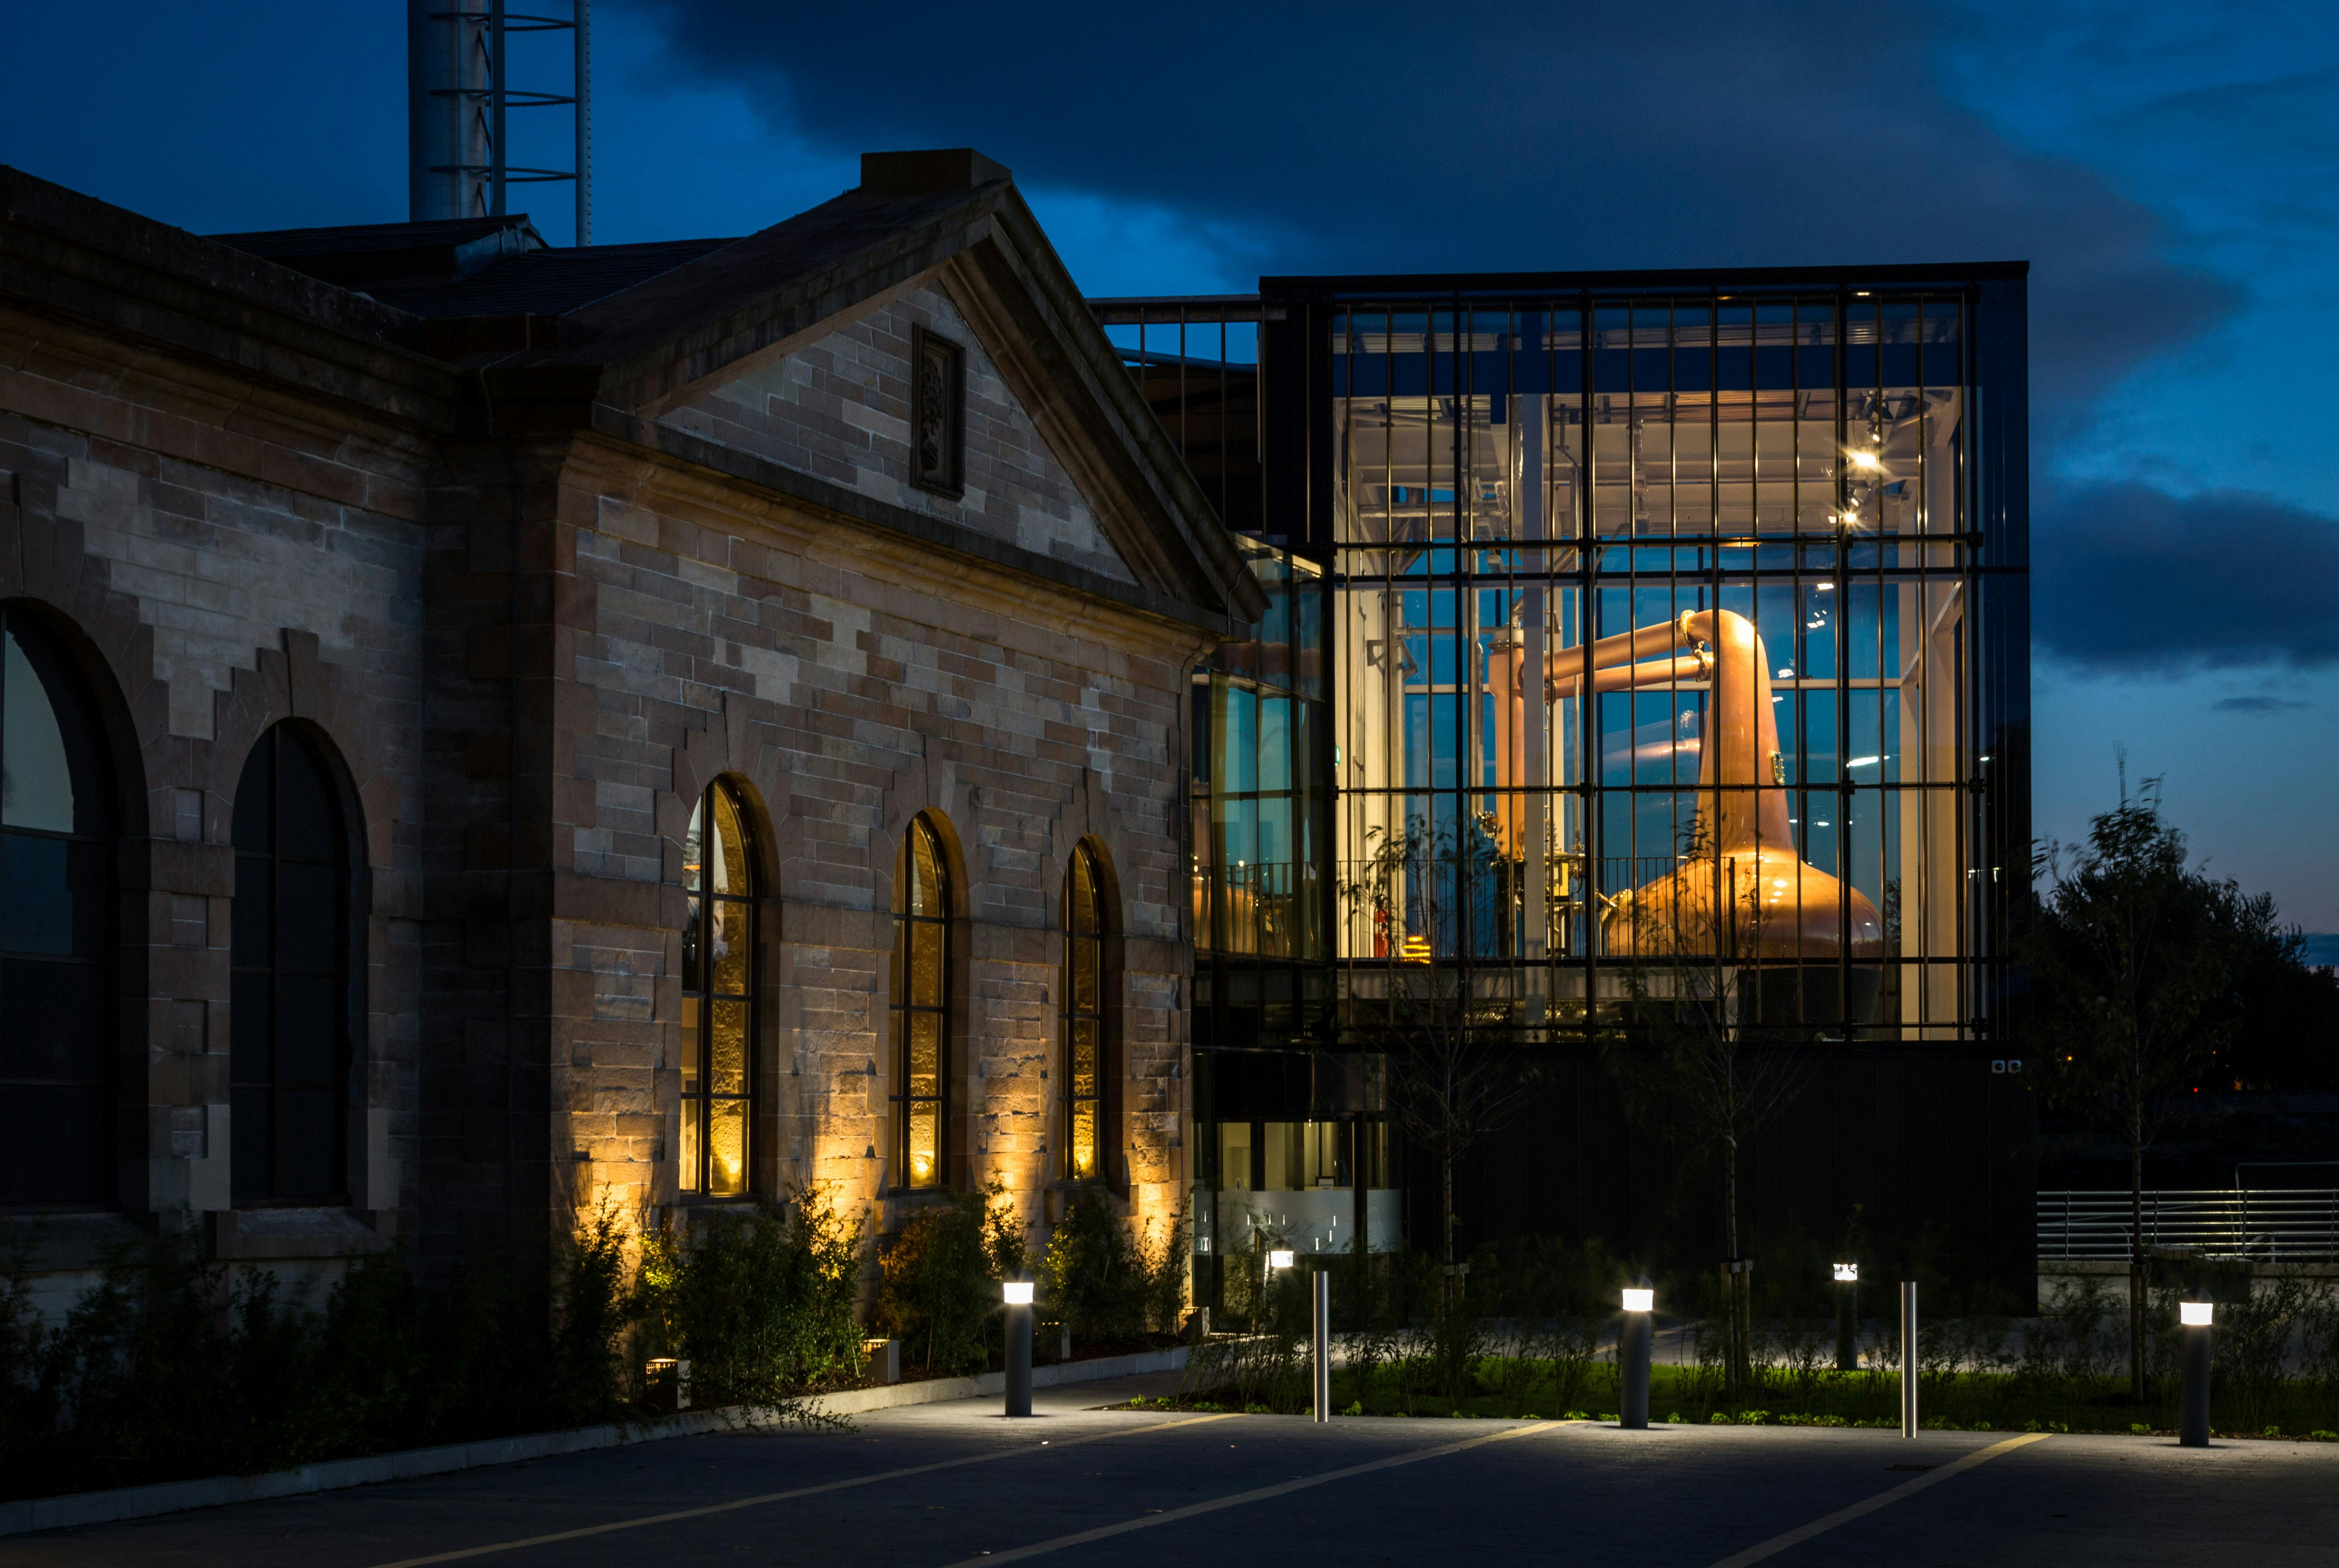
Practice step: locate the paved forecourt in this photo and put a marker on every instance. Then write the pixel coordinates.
(955, 1487)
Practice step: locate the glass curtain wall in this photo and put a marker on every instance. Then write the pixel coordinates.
(1651, 643)
(1622, 638)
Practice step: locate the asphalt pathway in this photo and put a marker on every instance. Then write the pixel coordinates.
(956, 1486)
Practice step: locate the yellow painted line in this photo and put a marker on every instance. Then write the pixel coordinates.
(1796, 1537)
(1146, 1522)
(759, 1500)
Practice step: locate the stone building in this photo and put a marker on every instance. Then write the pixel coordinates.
(493, 729)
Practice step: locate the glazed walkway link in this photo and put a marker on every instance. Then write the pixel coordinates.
(956, 1486)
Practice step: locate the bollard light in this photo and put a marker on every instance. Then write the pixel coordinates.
(1319, 1348)
(2193, 1401)
(1018, 1295)
(1847, 1315)
(1633, 1357)
(1279, 1259)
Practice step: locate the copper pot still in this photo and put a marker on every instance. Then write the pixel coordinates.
(1802, 945)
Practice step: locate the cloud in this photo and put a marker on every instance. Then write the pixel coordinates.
(1375, 137)
(2258, 705)
(2128, 578)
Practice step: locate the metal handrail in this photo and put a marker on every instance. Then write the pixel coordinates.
(2262, 1224)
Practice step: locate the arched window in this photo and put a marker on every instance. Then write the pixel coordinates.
(1084, 1017)
(921, 1006)
(56, 1035)
(718, 996)
(290, 998)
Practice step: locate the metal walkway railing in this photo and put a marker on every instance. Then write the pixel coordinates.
(2267, 1225)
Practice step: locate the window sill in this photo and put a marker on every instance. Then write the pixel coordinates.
(262, 1234)
(59, 1242)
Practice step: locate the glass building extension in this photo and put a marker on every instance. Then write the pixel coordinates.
(1623, 626)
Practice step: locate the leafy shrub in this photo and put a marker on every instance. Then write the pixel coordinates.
(940, 1292)
(762, 1303)
(172, 1366)
(2251, 1345)
(1096, 1275)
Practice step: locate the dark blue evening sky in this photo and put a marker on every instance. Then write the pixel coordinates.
(2172, 170)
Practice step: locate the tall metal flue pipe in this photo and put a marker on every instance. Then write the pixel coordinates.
(460, 97)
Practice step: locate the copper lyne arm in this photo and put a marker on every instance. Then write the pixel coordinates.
(1693, 666)
(1742, 744)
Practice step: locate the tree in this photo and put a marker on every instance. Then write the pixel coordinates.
(2287, 1029)
(1699, 1057)
(1456, 1072)
(2133, 957)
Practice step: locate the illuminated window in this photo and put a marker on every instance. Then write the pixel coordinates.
(290, 1002)
(718, 996)
(921, 1006)
(55, 1026)
(1086, 1056)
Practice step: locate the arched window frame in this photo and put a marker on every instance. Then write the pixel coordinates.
(278, 895)
(61, 1104)
(721, 998)
(921, 1006)
(1083, 1019)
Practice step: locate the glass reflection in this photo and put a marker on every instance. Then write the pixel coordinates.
(56, 1048)
(718, 1023)
(921, 1006)
(1084, 1071)
(1512, 486)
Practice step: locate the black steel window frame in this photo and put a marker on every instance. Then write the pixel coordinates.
(1461, 311)
(1296, 404)
(273, 899)
(911, 929)
(62, 1164)
(703, 998)
(1083, 1088)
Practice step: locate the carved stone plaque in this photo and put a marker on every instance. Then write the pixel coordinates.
(937, 414)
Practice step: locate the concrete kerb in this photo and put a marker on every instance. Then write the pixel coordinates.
(83, 1508)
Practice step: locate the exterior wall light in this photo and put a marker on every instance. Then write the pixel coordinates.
(1640, 1300)
(2193, 1314)
(1279, 1259)
(1847, 1274)
(1017, 1292)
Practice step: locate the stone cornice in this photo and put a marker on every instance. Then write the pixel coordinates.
(898, 525)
